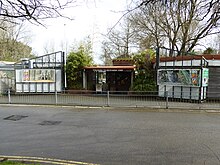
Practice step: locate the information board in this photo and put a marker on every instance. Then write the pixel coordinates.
(179, 77)
(38, 75)
(205, 77)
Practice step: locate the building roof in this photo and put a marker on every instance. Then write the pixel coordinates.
(110, 67)
(189, 57)
(6, 63)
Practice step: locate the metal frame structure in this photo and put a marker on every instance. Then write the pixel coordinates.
(49, 63)
(174, 60)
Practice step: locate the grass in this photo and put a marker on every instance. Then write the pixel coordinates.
(14, 163)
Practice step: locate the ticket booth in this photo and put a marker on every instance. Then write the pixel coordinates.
(108, 78)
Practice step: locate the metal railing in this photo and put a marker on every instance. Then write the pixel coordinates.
(109, 99)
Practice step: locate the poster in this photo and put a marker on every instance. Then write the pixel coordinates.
(179, 77)
(205, 77)
(39, 75)
(26, 75)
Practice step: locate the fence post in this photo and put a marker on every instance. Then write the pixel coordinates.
(56, 99)
(9, 96)
(108, 99)
(167, 103)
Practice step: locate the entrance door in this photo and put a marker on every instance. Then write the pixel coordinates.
(119, 81)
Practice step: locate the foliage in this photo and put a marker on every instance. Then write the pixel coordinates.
(144, 79)
(12, 50)
(143, 59)
(209, 51)
(12, 46)
(84, 45)
(14, 163)
(76, 61)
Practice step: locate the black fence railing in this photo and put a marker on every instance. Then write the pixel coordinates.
(109, 99)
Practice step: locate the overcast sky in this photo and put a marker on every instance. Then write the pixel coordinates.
(89, 19)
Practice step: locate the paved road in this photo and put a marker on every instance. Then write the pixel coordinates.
(111, 136)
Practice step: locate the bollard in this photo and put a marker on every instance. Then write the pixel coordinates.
(56, 99)
(166, 95)
(108, 99)
(9, 96)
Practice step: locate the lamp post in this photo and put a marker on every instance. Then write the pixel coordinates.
(65, 54)
(157, 65)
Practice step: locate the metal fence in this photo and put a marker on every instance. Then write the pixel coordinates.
(109, 98)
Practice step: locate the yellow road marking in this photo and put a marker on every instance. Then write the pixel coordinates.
(45, 160)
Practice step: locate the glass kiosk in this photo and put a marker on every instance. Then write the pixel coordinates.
(44, 74)
(183, 83)
(181, 75)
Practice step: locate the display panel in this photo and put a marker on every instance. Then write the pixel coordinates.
(179, 77)
(205, 77)
(38, 75)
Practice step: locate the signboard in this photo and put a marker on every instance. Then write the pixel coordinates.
(98, 87)
(205, 77)
(38, 75)
(109, 70)
(179, 77)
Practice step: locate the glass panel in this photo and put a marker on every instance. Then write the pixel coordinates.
(39, 75)
(179, 77)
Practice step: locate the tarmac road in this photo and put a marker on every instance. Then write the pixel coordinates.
(110, 136)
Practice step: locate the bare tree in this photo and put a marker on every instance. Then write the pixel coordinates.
(13, 41)
(210, 4)
(34, 10)
(144, 24)
(181, 23)
(49, 47)
(107, 53)
(215, 44)
(218, 44)
(118, 42)
(13, 13)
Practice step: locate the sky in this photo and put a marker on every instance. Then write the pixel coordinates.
(90, 19)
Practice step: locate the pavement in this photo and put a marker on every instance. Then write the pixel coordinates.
(105, 135)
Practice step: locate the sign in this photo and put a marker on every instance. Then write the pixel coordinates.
(98, 87)
(108, 70)
(38, 75)
(179, 77)
(205, 77)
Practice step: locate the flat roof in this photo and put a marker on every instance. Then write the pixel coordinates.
(6, 63)
(189, 57)
(110, 67)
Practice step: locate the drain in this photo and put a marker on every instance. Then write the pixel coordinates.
(50, 123)
(15, 117)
